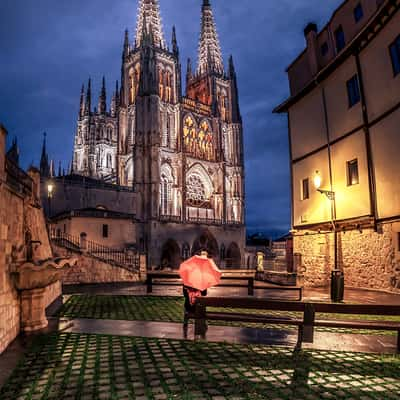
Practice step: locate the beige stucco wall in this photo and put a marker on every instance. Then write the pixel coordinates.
(385, 138)
(351, 201)
(341, 118)
(317, 207)
(121, 232)
(307, 124)
(381, 87)
(370, 260)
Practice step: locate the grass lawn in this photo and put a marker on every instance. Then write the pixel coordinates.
(170, 309)
(80, 366)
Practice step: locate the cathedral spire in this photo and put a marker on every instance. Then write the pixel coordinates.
(88, 102)
(44, 160)
(82, 103)
(126, 44)
(102, 106)
(189, 70)
(149, 20)
(175, 48)
(209, 47)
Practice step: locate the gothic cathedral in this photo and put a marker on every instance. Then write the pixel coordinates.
(181, 153)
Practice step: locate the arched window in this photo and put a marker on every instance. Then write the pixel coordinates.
(161, 83)
(109, 161)
(166, 190)
(132, 92)
(168, 86)
(198, 142)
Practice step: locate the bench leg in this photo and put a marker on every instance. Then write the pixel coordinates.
(149, 285)
(299, 338)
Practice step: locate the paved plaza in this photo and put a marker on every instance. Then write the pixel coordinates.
(123, 344)
(79, 366)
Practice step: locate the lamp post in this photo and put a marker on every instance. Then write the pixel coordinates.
(337, 277)
(50, 191)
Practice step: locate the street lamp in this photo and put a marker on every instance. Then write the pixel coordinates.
(337, 278)
(50, 191)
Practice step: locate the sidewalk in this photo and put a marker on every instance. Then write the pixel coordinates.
(168, 330)
(320, 294)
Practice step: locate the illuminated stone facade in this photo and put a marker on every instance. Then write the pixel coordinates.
(181, 154)
(343, 118)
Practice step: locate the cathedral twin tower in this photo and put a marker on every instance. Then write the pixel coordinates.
(182, 153)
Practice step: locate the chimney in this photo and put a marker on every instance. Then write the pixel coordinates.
(3, 135)
(310, 33)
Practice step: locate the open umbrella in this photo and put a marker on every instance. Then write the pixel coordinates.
(199, 272)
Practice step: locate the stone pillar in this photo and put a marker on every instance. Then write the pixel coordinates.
(33, 310)
(260, 261)
(3, 135)
(142, 267)
(83, 242)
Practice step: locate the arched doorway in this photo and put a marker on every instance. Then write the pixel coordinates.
(233, 256)
(206, 242)
(170, 255)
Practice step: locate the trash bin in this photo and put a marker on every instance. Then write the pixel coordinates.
(337, 286)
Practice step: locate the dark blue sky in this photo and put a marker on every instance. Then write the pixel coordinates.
(49, 48)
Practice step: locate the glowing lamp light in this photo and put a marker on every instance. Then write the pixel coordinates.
(50, 189)
(317, 180)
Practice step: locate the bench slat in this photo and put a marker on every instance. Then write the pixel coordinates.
(359, 324)
(252, 318)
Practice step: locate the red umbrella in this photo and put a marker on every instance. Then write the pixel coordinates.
(200, 273)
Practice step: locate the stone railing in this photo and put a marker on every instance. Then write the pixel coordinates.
(121, 257)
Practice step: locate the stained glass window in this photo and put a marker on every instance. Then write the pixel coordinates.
(198, 142)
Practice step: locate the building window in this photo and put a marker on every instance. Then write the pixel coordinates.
(324, 49)
(395, 55)
(339, 38)
(353, 91)
(352, 173)
(358, 12)
(105, 231)
(196, 195)
(305, 193)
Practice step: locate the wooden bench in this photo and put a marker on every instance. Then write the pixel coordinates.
(173, 279)
(305, 325)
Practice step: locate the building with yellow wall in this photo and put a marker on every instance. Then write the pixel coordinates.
(344, 129)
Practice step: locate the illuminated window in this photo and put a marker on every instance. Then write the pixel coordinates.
(353, 91)
(352, 173)
(165, 195)
(161, 82)
(358, 12)
(195, 191)
(105, 231)
(198, 142)
(305, 192)
(339, 38)
(395, 55)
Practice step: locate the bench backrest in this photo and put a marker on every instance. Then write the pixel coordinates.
(261, 304)
(249, 303)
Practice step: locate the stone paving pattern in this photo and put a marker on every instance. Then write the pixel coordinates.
(170, 309)
(78, 366)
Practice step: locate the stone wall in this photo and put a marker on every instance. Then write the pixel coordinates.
(369, 259)
(10, 234)
(92, 270)
(53, 292)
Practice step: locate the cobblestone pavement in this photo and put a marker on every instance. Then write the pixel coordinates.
(78, 366)
(170, 309)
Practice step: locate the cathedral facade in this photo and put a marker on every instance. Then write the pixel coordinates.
(181, 153)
